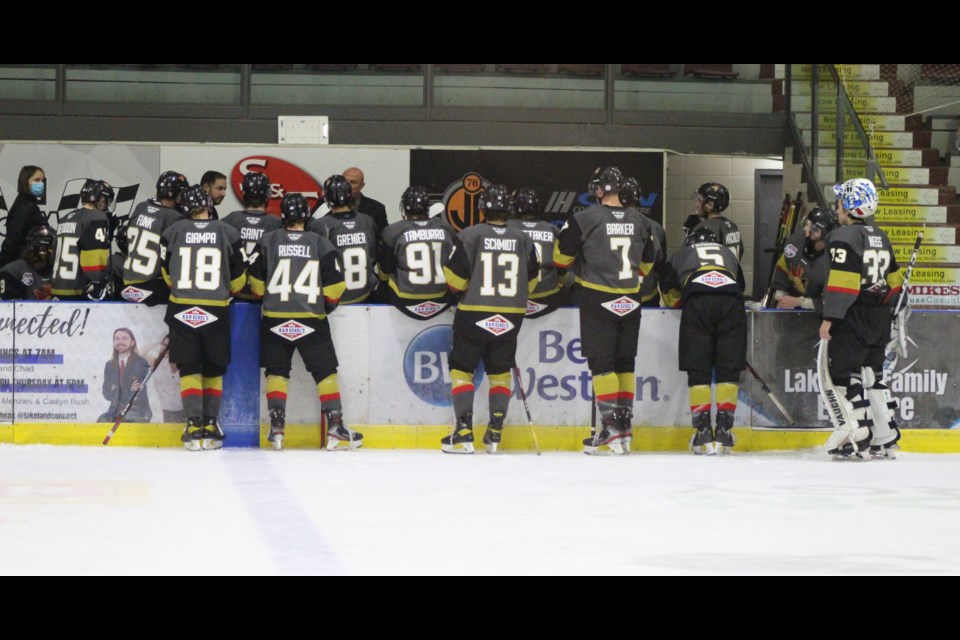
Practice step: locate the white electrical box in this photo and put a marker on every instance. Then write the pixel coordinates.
(303, 129)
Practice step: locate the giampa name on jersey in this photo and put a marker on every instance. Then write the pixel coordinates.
(200, 238)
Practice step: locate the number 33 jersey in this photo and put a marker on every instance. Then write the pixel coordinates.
(863, 270)
(203, 262)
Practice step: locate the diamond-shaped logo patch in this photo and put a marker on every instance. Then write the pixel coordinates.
(534, 307)
(133, 294)
(426, 309)
(195, 317)
(292, 330)
(497, 325)
(621, 306)
(715, 279)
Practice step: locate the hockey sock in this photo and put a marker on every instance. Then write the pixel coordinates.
(606, 387)
(462, 389)
(329, 391)
(276, 393)
(727, 397)
(499, 394)
(627, 382)
(191, 392)
(212, 396)
(700, 399)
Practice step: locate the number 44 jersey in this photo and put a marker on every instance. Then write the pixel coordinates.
(863, 270)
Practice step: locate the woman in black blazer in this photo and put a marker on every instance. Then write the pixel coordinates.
(25, 213)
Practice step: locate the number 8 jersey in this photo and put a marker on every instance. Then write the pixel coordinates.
(863, 270)
(354, 236)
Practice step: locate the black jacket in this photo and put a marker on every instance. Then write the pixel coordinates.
(24, 215)
(375, 210)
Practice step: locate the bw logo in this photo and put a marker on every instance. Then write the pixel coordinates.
(461, 201)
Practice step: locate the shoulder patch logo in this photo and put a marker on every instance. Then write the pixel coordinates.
(497, 325)
(790, 251)
(350, 224)
(27, 279)
(195, 317)
(254, 220)
(292, 330)
(294, 236)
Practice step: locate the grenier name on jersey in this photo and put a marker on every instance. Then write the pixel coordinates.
(351, 239)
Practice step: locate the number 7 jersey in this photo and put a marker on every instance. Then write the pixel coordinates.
(863, 270)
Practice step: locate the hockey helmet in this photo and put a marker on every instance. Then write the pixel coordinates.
(630, 192)
(255, 187)
(526, 202)
(193, 199)
(294, 208)
(171, 184)
(415, 201)
(702, 235)
(337, 191)
(120, 237)
(858, 197)
(41, 239)
(495, 198)
(609, 179)
(823, 219)
(716, 193)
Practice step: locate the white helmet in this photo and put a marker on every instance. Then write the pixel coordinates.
(858, 197)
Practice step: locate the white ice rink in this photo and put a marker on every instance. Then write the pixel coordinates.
(148, 511)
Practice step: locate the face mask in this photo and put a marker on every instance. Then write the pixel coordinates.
(37, 189)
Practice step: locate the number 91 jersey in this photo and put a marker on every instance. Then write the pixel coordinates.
(354, 236)
(863, 269)
(413, 254)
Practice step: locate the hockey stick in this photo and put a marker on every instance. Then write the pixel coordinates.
(891, 353)
(906, 278)
(771, 395)
(526, 407)
(133, 398)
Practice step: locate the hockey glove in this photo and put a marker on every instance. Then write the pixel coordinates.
(98, 290)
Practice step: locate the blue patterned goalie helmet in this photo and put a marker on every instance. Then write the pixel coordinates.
(858, 197)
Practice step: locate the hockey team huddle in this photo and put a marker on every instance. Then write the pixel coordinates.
(609, 260)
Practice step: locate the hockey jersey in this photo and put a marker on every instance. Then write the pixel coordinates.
(83, 252)
(727, 232)
(610, 248)
(544, 236)
(141, 269)
(649, 290)
(296, 275)
(800, 273)
(354, 236)
(20, 281)
(412, 255)
(495, 267)
(863, 270)
(252, 226)
(705, 268)
(204, 262)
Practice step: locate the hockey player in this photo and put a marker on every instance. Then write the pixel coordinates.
(712, 199)
(801, 273)
(141, 271)
(611, 249)
(353, 235)
(493, 268)
(81, 268)
(630, 197)
(705, 279)
(203, 266)
(28, 278)
(864, 279)
(412, 255)
(550, 292)
(253, 221)
(119, 259)
(300, 282)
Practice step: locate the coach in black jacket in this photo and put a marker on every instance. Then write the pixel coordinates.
(363, 204)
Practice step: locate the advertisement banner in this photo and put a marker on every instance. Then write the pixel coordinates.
(80, 362)
(456, 177)
(925, 382)
(132, 170)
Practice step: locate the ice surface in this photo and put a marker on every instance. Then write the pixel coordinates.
(70, 510)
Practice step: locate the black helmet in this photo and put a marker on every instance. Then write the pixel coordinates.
(610, 179)
(495, 198)
(630, 192)
(716, 193)
(294, 208)
(415, 201)
(337, 192)
(702, 235)
(170, 185)
(92, 190)
(41, 238)
(256, 187)
(824, 219)
(120, 237)
(526, 203)
(194, 198)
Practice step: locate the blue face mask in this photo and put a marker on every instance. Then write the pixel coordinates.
(37, 189)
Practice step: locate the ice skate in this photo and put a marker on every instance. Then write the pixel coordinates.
(340, 437)
(460, 440)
